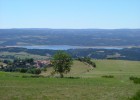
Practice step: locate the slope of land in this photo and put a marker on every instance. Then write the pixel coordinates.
(78, 37)
(90, 86)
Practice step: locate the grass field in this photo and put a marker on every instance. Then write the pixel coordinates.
(90, 86)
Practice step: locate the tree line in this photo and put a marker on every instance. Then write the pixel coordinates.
(87, 60)
(20, 65)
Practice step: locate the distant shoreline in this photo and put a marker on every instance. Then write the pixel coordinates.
(66, 47)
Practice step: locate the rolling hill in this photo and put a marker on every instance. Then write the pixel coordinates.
(91, 85)
(75, 37)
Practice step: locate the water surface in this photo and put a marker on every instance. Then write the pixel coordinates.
(66, 47)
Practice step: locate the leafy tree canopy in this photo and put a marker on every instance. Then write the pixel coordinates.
(61, 63)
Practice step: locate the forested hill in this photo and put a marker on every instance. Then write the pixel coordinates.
(122, 54)
(84, 37)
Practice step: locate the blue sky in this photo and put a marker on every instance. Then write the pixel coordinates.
(70, 14)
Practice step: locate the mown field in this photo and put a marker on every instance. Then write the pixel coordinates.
(89, 86)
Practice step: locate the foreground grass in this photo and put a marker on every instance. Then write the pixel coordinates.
(18, 88)
(91, 85)
(136, 96)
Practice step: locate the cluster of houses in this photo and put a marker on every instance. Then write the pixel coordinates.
(37, 64)
(42, 63)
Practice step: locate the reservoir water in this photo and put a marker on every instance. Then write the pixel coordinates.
(66, 47)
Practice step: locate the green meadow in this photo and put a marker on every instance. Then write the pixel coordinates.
(88, 84)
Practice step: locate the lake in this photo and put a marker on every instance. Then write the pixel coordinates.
(66, 47)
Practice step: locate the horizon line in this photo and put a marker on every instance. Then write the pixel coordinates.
(73, 28)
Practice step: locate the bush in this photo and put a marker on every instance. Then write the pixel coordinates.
(9, 69)
(33, 76)
(73, 77)
(37, 76)
(132, 78)
(108, 76)
(23, 70)
(34, 71)
(136, 80)
(87, 60)
(37, 71)
(25, 76)
(44, 69)
(136, 96)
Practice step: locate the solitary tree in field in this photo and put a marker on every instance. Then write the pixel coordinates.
(61, 63)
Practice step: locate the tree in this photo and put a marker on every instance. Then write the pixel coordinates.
(61, 63)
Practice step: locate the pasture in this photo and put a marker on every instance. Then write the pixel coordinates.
(89, 86)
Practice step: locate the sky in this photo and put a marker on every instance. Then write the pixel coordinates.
(70, 14)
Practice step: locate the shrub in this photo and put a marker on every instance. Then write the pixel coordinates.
(136, 80)
(34, 71)
(23, 70)
(108, 76)
(87, 60)
(37, 71)
(33, 76)
(25, 76)
(73, 77)
(132, 78)
(136, 96)
(44, 69)
(37, 76)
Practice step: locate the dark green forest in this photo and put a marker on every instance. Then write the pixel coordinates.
(122, 54)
